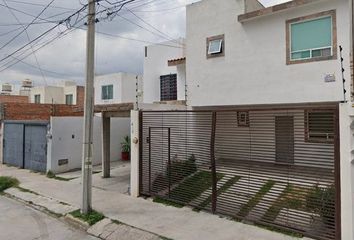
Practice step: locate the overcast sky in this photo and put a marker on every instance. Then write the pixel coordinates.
(64, 58)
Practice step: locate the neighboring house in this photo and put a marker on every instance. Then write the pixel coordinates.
(117, 88)
(68, 93)
(24, 132)
(267, 123)
(165, 81)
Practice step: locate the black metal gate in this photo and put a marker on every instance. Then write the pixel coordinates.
(274, 167)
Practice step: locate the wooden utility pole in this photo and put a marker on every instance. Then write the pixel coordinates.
(86, 206)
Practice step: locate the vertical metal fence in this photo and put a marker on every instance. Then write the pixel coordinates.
(273, 167)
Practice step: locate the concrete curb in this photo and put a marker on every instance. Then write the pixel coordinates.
(104, 229)
(76, 222)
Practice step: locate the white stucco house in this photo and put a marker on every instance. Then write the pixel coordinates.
(163, 80)
(67, 93)
(269, 104)
(117, 88)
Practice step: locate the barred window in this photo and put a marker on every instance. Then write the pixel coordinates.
(320, 126)
(168, 87)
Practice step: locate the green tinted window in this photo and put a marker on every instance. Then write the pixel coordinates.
(311, 34)
(107, 92)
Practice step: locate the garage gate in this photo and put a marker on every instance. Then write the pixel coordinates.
(277, 168)
(25, 145)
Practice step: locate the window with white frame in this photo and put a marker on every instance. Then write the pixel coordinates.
(311, 38)
(107, 92)
(215, 46)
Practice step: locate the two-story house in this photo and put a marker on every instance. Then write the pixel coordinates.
(67, 93)
(165, 81)
(117, 88)
(264, 136)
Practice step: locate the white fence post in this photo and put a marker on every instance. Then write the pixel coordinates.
(134, 154)
(346, 123)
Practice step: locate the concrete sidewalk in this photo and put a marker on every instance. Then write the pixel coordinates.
(174, 223)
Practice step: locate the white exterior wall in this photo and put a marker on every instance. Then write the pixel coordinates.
(49, 94)
(70, 90)
(156, 65)
(62, 145)
(347, 169)
(124, 87)
(254, 70)
(129, 87)
(111, 79)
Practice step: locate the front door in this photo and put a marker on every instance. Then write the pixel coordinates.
(284, 139)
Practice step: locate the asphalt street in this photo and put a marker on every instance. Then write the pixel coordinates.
(21, 222)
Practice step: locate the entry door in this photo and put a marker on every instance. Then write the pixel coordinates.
(35, 148)
(284, 139)
(159, 157)
(13, 144)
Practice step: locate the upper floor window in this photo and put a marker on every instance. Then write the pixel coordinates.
(215, 46)
(37, 98)
(312, 38)
(107, 92)
(168, 87)
(69, 99)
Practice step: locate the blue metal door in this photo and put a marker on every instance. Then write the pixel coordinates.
(35, 155)
(13, 144)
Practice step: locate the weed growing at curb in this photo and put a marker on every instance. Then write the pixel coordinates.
(116, 222)
(8, 182)
(51, 175)
(91, 218)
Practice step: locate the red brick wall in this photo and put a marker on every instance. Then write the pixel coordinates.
(80, 96)
(32, 111)
(13, 99)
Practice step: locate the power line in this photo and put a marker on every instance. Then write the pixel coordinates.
(136, 40)
(28, 37)
(45, 33)
(38, 4)
(153, 27)
(25, 28)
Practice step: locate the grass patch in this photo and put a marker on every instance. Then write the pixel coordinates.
(91, 218)
(51, 175)
(7, 182)
(167, 202)
(193, 186)
(278, 205)
(246, 208)
(221, 190)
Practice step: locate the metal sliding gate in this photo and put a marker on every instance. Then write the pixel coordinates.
(274, 167)
(25, 144)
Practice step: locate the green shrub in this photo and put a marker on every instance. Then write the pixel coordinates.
(322, 201)
(7, 182)
(50, 174)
